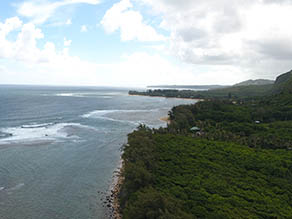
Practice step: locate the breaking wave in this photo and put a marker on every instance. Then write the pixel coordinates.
(38, 132)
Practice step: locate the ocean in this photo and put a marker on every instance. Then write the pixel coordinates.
(60, 146)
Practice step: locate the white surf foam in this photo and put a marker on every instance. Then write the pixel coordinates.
(35, 125)
(103, 113)
(135, 117)
(98, 113)
(94, 94)
(38, 132)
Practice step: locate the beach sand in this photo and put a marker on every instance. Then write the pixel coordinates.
(165, 119)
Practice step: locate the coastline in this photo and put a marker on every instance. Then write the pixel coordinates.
(115, 190)
(118, 178)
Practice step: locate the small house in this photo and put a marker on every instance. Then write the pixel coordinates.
(195, 129)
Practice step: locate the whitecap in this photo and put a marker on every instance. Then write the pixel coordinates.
(98, 113)
(35, 125)
(66, 94)
(130, 116)
(101, 113)
(93, 94)
(45, 132)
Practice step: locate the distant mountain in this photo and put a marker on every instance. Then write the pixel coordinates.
(188, 87)
(255, 82)
(283, 83)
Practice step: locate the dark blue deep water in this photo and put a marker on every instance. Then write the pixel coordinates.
(59, 147)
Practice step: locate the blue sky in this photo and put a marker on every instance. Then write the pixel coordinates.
(143, 42)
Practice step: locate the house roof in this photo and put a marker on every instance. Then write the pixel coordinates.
(195, 128)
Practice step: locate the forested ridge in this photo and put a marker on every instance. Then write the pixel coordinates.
(237, 164)
(235, 92)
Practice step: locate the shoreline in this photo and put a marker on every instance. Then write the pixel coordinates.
(115, 188)
(116, 191)
(118, 178)
(165, 119)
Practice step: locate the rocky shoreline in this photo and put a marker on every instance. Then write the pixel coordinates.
(111, 199)
(115, 194)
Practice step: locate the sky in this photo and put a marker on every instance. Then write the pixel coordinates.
(135, 43)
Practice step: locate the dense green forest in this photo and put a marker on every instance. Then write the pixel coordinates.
(236, 164)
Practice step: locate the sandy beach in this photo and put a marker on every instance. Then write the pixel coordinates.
(165, 119)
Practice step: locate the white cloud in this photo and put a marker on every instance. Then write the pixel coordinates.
(41, 11)
(153, 69)
(220, 42)
(68, 22)
(52, 66)
(254, 35)
(32, 65)
(130, 23)
(136, 69)
(6, 47)
(24, 48)
(9, 25)
(67, 42)
(83, 28)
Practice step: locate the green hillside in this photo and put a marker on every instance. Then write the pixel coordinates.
(227, 93)
(255, 82)
(283, 83)
(244, 90)
(219, 158)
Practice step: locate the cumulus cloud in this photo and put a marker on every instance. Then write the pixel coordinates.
(24, 48)
(6, 47)
(46, 65)
(83, 28)
(52, 66)
(219, 41)
(130, 23)
(243, 33)
(49, 65)
(41, 11)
